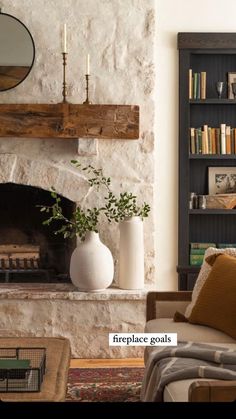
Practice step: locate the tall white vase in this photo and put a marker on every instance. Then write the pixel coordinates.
(131, 254)
(91, 265)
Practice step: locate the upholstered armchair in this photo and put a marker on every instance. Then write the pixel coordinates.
(161, 307)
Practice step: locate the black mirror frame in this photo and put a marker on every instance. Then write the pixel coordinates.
(30, 68)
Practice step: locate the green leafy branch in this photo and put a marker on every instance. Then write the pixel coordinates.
(125, 206)
(96, 178)
(83, 220)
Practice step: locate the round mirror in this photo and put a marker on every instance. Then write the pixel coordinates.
(17, 52)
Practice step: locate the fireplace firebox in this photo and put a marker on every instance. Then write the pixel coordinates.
(30, 251)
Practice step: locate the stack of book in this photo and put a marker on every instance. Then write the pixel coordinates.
(226, 245)
(197, 251)
(14, 374)
(197, 85)
(209, 140)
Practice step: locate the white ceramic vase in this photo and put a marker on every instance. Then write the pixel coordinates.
(131, 254)
(91, 265)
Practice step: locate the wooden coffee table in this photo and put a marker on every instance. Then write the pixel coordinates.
(57, 365)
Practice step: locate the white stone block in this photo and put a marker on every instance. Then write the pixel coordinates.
(87, 147)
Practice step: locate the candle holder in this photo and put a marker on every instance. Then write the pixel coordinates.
(87, 101)
(64, 85)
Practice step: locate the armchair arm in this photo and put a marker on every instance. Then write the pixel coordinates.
(154, 296)
(212, 391)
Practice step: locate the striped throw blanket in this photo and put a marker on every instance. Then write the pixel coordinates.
(187, 360)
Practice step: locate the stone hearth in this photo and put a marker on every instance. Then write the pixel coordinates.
(85, 318)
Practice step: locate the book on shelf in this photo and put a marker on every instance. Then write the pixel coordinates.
(199, 248)
(205, 140)
(196, 260)
(200, 251)
(193, 142)
(223, 138)
(228, 140)
(15, 374)
(197, 251)
(226, 245)
(211, 140)
(196, 245)
(203, 84)
(197, 84)
(190, 83)
(13, 368)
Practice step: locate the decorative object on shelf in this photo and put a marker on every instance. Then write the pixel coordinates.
(193, 200)
(131, 254)
(221, 201)
(91, 265)
(87, 101)
(86, 220)
(231, 79)
(201, 201)
(234, 89)
(221, 180)
(18, 58)
(64, 62)
(64, 85)
(87, 75)
(220, 88)
(197, 201)
(126, 211)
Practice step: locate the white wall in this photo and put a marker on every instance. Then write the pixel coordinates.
(175, 16)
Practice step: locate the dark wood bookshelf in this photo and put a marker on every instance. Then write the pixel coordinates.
(215, 54)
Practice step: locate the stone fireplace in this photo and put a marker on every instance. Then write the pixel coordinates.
(120, 39)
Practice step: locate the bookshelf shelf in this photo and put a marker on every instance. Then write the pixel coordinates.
(212, 101)
(212, 212)
(188, 268)
(212, 156)
(212, 55)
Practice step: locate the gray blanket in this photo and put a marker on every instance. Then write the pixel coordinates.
(187, 360)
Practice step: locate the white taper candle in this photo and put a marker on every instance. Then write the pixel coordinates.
(88, 64)
(64, 39)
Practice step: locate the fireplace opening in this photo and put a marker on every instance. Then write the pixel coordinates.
(29, 251)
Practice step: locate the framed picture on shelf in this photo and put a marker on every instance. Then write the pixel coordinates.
(221, 180)
(232, 88)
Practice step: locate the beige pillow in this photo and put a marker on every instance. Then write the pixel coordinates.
(216, 302)
(203, 274)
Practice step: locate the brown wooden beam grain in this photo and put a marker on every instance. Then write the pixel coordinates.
(66, 120)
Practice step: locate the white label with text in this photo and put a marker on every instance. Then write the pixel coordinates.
(142, 339)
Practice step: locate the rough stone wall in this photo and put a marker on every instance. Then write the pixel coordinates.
(119, 36)
(86, 329)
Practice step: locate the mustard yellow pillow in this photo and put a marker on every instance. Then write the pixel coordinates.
(203, 274)
(216, 302)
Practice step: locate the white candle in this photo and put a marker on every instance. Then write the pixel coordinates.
(64, 39)
(88, 64)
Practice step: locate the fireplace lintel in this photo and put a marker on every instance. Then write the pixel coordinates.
(67, 120)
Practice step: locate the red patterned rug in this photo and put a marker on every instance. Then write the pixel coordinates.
(104, 384)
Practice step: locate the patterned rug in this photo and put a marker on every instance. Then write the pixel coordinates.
(104, 384)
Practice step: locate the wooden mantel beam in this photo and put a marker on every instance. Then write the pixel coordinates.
(66, 120)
